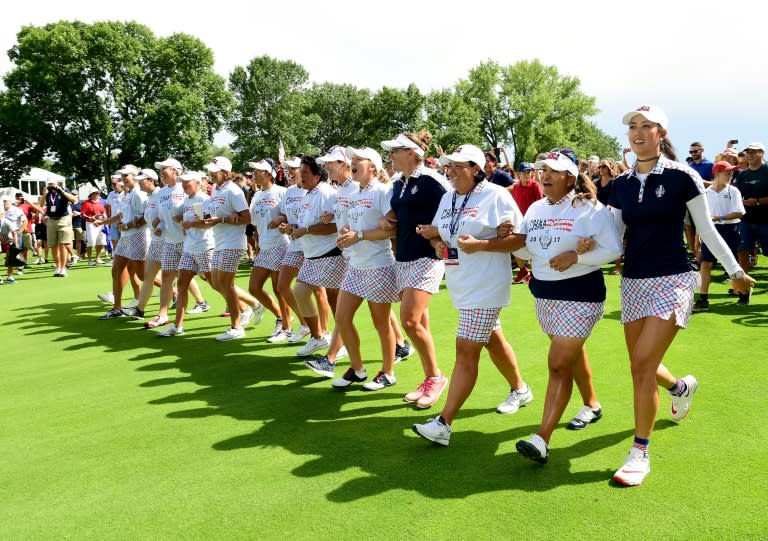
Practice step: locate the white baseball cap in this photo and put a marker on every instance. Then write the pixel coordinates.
(558, 161)
(169, 162)
(191, 175)
(129, 170)
(366, 153)
(594, 159)
(401, 141)
(651, 112)
(264, 165)
(335, 154)
(292, 163)
(219, 163)
(463, 154)
(146, 173)
(755, 146)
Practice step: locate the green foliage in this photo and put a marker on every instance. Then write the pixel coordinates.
(530, 107)
(451, 121)
(393, 111)
(271, 106)
(342, 110)
(114, 85)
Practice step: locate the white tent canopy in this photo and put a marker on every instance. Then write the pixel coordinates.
(41, 174)
(34, 182)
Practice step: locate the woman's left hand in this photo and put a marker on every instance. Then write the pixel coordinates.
(743, 285)
(346, 238)
(585, 244)
(563, 261)
(469, 244)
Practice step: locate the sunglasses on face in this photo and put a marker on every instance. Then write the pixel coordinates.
(694, 151)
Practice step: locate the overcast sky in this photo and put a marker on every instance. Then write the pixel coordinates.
(703, 62)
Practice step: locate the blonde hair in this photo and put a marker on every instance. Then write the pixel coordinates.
(383, 177)
(423, 139)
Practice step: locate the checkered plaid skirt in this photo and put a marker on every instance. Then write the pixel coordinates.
(568, 318)
(272, 258)
(133, 247)
(323, 272)
(171, 256)
(293, 259)
(658, 297)
(477, 324)
(155, 251)
(227, 260)
(424, 274)
(196, 262)
(374, 285)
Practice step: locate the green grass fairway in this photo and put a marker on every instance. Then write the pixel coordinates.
(112, 433)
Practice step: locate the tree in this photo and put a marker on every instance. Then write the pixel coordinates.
(271, 107)
(451, 121)
(393, 111)
(530, 107)
(113, 85)
(340, 109)
(20, 132)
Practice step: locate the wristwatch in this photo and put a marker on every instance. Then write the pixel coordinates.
(360, 234)
(738, 275)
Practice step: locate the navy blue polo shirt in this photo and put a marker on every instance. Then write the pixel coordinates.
(704, 169)
(655, 220)
(416, 205)
(754, 184)
(501, 178)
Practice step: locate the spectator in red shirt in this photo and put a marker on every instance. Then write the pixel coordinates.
(526, 191)
(92, 210)
(26, 241)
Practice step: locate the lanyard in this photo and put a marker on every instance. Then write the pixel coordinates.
(453, 227)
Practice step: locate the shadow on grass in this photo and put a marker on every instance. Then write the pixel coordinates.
(338, 431)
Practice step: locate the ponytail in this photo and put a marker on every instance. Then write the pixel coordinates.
(667, 149)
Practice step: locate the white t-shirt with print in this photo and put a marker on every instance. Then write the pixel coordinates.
(322, 198)
(151, 208)
(343, 192)
(366, 207)
(265, 207)
(480, 279)
(228, 199)
(294, 196)
(198, 240)
(172, 205)
(724, 202)
(133, 207)
(551, 230)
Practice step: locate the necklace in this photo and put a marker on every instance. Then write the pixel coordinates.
(649, 159)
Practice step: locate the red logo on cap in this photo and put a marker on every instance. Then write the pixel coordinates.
(644, 108)
(553, 156)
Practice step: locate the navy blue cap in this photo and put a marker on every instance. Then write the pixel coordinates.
(525, 166)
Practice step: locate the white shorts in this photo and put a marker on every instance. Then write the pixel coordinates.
(94, 234)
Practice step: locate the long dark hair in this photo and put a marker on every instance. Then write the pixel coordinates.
(585, 189)
(667, 149)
